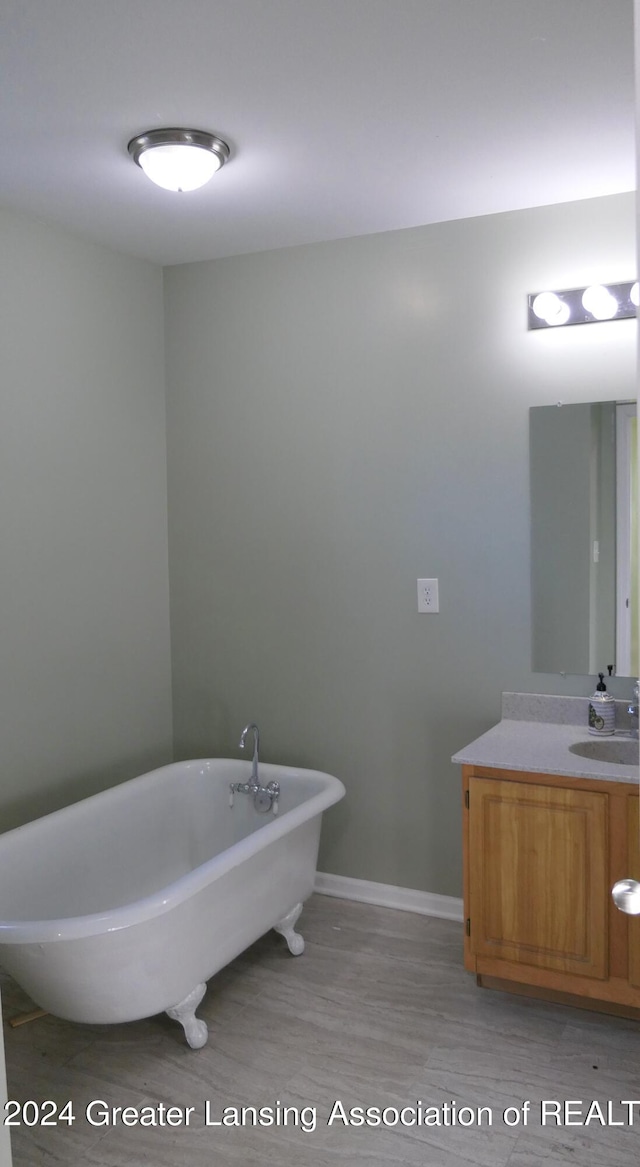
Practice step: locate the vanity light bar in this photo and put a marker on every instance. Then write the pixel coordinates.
(583, 305)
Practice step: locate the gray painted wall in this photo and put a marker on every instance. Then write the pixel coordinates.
(345, 418)
(560, 460)
(342, 419)
(85, 694)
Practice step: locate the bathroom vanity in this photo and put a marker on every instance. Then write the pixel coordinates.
(550, 823)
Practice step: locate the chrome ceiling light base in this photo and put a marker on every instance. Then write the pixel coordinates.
(178, 159)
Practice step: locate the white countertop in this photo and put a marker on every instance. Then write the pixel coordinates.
(525, 740)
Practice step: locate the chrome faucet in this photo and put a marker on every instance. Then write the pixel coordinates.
(633, 709)
(255, 782)
(265, 798)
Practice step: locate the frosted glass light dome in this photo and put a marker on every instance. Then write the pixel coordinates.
(179, 160)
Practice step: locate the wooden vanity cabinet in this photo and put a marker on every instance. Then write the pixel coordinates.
(541, 854)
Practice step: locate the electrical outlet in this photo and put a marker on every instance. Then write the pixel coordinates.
(428, 595)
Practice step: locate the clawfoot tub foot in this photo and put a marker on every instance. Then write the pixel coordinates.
(195, 1030)
(285, 927)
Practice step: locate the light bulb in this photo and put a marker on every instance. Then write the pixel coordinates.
(550, 308)
(599, 302)
(179, 167)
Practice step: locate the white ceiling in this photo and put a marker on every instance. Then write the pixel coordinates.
(344, 117)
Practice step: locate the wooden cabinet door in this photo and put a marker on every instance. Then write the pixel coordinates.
(538, 875)
(634, 873)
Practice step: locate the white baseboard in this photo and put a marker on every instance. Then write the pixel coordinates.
(385, 895)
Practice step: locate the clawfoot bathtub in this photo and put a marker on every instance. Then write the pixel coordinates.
(123, 905)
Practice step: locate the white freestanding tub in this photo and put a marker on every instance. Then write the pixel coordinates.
(122, 905)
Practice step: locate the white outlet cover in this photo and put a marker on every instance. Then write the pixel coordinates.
(428, 598)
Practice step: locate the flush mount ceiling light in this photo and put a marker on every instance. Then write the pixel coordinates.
(583, 305)
(179, 159)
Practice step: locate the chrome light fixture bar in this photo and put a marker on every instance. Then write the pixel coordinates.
(178, 159)
(583, 305)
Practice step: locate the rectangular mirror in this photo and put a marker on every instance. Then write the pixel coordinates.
(584, 581)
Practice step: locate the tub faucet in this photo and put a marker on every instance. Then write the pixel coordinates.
(265, 798)
(255, 782)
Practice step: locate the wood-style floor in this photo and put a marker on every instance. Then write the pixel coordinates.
(378, 1012)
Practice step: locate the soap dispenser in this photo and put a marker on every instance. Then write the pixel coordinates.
(602, 710)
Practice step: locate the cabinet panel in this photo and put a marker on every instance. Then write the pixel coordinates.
(538, 875)
(634, 873)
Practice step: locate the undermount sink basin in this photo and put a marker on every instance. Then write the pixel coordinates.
(621, 751)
